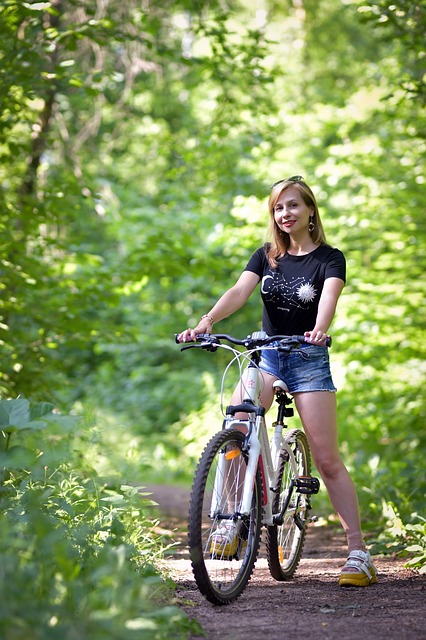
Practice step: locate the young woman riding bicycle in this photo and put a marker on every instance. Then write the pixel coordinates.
(301, 280)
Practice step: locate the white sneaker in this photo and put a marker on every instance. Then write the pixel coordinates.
(224, 541)
(359, 570)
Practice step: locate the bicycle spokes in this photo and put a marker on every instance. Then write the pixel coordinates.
(285, 540)
(223, 542)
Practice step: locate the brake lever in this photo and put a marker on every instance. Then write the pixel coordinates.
(208, 346)
(190, 346)
(202, 343)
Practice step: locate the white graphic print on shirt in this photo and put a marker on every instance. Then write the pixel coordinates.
(286, 294)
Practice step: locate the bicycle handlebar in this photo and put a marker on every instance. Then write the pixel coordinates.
(211, 341)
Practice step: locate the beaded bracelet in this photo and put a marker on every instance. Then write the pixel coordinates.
(209, 317)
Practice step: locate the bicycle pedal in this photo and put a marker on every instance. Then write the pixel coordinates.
(307, 485)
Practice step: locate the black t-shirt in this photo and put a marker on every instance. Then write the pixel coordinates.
(291, 292)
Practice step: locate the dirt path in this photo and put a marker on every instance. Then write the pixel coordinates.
(312, 604)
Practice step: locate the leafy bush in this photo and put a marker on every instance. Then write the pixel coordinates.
(407, 539)
(78, 553)
(417, 534)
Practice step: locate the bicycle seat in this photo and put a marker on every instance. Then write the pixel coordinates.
(281, 385)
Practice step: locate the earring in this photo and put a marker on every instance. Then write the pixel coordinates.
(311, 225)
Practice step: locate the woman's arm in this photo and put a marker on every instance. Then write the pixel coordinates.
(232, 300)
(326, 309)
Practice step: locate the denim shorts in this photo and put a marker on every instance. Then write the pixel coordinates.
(304, 368)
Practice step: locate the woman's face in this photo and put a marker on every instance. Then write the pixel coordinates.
(291, 214)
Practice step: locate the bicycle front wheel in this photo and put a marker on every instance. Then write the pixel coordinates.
(284, 543)
(223, 567)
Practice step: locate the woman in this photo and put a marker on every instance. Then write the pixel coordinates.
(301, 280)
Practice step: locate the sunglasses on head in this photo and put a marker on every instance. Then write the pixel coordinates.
(292, 179)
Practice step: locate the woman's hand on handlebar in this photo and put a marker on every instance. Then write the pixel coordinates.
(316, 337)
(190, 335)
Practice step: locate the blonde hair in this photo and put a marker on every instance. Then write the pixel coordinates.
(280, 243)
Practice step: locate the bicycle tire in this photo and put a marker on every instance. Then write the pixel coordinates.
(220, 578)
(284, 543)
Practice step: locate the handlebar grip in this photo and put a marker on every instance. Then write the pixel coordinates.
(328, 341)
(200, 337)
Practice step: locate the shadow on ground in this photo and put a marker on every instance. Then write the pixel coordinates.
(311, 604)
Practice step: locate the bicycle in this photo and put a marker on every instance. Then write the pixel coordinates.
(244, 482)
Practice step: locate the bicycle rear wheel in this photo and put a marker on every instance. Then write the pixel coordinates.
(223, 573)
(284, 543)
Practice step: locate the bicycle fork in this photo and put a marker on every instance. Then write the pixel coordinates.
(250, 472)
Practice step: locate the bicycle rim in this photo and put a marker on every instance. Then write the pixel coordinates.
(284, 543)
(223, 573)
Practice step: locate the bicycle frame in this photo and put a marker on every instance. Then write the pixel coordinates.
(262, 453)
(243, 476)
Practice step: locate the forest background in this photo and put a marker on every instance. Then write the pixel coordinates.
(138, 141)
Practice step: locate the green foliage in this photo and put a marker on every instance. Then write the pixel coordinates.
(402, 22)
(108, 95)
(137, 143)
(417, 538)
(79, 554)
(404, 539)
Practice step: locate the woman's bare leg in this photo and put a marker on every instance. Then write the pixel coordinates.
(266, 392)
(266, 395)
(318, 413)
